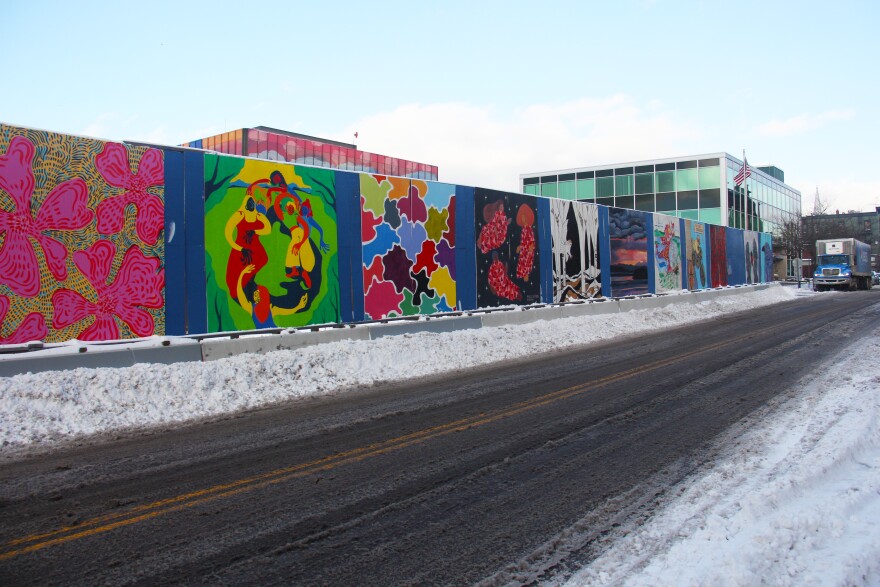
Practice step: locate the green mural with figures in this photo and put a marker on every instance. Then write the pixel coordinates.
(271, 246)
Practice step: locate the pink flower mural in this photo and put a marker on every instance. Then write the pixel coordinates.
(33, 327)
(138, 282)
(64, 209)
(112, 164)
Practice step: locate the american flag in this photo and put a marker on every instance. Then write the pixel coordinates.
(744, 172)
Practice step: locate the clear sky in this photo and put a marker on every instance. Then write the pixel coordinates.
(485, 90)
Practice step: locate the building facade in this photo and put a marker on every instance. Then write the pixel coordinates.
(699, 187)
(863, 226)
(273, 144)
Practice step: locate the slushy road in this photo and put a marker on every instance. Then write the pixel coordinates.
(503, 474)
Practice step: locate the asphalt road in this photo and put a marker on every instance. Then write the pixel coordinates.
(506, 475)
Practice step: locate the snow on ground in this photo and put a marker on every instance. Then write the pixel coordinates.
(43, 409)
(794, 501)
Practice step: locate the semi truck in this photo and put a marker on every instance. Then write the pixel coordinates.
(842, 263)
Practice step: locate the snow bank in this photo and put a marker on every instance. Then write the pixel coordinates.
(796, 501)
(38, 410)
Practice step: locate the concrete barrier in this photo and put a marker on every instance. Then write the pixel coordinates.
(209, 349)
(437, 325)
(220, 348)
(97, 356)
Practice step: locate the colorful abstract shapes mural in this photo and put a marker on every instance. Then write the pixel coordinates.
(270, 244)
(507, 253)
(408, 237)
(78, 214)
(628, 232)
(718, 255)
(667, 253)
(574, 231)
(696, 253)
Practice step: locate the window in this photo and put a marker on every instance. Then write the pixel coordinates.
(645, 183)
(666, 202)
(687, 179)
(665, 181)
(586, 189)
(645, 202)
(531, 189)
(710, 198)
(711, 215)
(687, 200)
(548, 190)
(623, 185)
(624, 202)
(604, 187)
(566, 189)
(710, 177)
(605, 202)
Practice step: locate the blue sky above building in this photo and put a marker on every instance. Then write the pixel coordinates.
(485, 90)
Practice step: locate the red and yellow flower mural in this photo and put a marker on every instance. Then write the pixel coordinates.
(81, 247)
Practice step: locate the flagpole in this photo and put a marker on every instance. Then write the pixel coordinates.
(745, 190)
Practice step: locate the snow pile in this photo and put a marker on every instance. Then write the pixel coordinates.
(796, 501)
(38, 410)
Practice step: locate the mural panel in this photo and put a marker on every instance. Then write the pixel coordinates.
(81, 238)
(736, 265)
(696, 254)
(271, 250)
(574, 231)
(667, 253)
(766, 254)
(718, 255)
(628, 232)
(752, 256)
(507, 249)
(408, 237)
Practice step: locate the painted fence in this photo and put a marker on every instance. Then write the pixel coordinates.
(103, 240)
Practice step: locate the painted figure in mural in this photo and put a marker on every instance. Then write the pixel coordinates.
(696, 266)
(257, 301)
(243, 231)
(665, 249)
(767, 250)
(525, 219)
(494, 232)
(499, 283)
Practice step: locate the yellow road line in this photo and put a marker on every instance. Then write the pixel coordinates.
(106, 523)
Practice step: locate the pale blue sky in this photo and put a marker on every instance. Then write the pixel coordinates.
(485, 90)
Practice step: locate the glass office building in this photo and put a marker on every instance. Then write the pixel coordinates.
(698, 188)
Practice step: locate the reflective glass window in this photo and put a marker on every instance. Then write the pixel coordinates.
(665, 181)
(645, 183)
(605, 201)
(623, 185)
(531, 189)
(604, 187)
(548, 190)
(586, 189)
(687, 200)
(645, 202)
(711, 215)
(710, 177)
(686, 179)
(624, 202)
(666, 202)
(710, 198)
(566, 190)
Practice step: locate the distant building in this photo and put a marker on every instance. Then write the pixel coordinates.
(263, 142)
(864, 226)
(698, 187)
